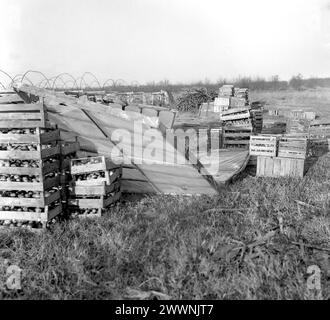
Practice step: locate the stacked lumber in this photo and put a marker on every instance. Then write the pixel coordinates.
(96, 186)
(29, 167)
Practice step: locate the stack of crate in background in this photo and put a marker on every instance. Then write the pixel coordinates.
(273, 126)
(320, 128)
(96, 186)
(240, 98)
(319, 134)
(257, 120)
(29, 167)
(297, 126)
(279, 156)
(226, 90)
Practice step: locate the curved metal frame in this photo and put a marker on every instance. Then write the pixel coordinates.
(33, 71)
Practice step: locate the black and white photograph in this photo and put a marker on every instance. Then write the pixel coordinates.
(164, 155)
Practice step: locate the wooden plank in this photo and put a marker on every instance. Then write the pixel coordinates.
(19, 116)
(277, 167)
(133, 109)
(269, 167)
(43, 138)
(97, 190)
(22, 124)
(35, 107)
(13, 98)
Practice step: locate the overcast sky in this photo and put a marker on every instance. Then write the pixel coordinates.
(179, 40)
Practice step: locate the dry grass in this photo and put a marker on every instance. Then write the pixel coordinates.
(309, 100)
(183, 247)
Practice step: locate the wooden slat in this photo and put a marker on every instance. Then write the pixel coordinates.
(22, 124)
(35, 107)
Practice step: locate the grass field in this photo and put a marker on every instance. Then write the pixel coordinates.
(308, 100)
(255, 240)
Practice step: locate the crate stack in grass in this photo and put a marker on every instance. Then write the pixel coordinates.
(29, 167)
(279, 156)
(320, 129)
(237, 128)
(96, 185)
(257, 120)
(68, 152)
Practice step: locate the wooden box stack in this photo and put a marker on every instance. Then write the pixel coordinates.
(237, 117)
(236, 137)
(320, 128)
(29, 167)
(291, 159)
(96, 186)
(263, 146)
(274, 127)
(257, 120)
(240, 99)
(68, 152)
(226, 90)
(280, 167)
(293, 148)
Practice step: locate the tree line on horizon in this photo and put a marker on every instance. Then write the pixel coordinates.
(297, 82)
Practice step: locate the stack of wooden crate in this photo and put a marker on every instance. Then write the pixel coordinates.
(226, 90)
(236, 137)
(68, 152)
(96, 185)
(241, 98)
(257, 120)
(320, 128)
(29, 167)
(237, 117)
(288, 159)
(273, 126)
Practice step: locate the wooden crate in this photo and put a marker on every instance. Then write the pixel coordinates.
(263, 146)
(95, 198)
(110, 176)
(320, 128)
(92, 164)
(317, 147)
(39, 154)
(293, 148)
(23, 116)
(237, 102)
(280, 167)
(257, 120)
(43, 217)
(235, 114)
(68, 151)
(237, 137)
